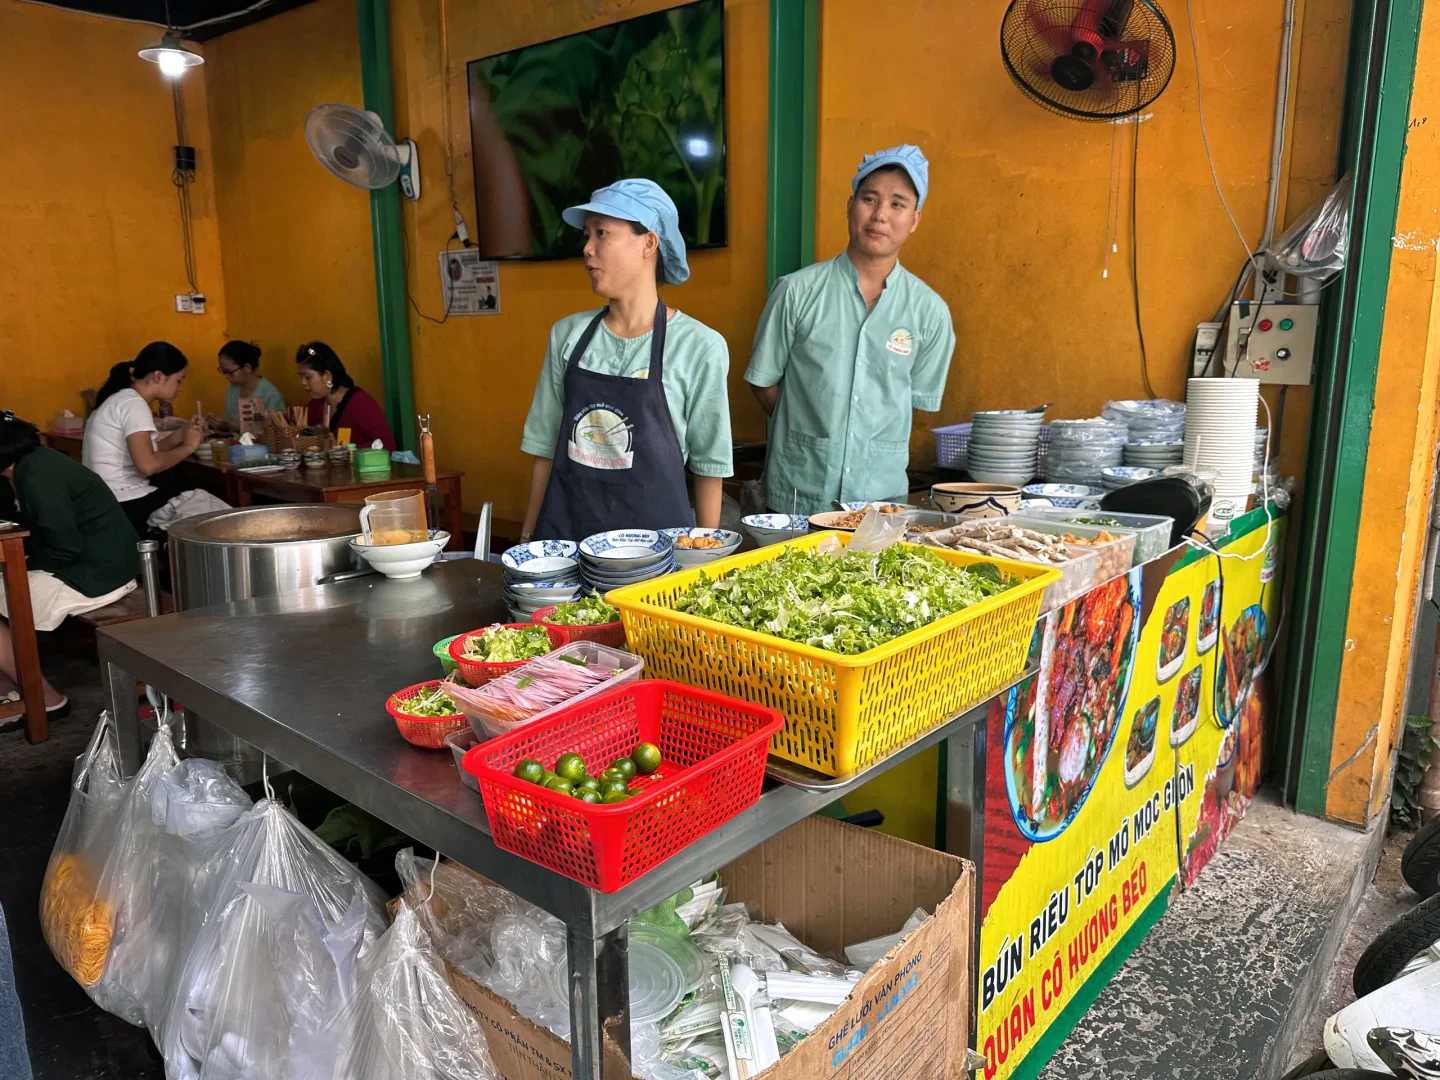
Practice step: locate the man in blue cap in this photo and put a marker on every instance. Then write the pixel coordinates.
(630, 413)
(847, 349)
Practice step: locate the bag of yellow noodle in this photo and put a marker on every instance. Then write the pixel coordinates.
(77, 922)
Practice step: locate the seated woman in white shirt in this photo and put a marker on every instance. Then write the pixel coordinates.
(122, 444)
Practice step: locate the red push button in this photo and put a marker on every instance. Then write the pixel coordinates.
(1265, 324)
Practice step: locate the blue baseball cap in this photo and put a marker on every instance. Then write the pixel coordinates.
(644, 202)
(910, 158)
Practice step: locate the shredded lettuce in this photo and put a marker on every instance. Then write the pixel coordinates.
(844, 604)
(501, 643)
(591, 611)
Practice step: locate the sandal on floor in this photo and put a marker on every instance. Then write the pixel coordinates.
(60, 711)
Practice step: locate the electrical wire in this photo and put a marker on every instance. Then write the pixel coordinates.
(1205, 138)
(216, 20)
(1135, 261)
(182, 178)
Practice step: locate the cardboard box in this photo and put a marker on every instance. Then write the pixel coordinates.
(831, 885)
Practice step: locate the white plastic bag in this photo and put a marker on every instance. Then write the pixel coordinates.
(404, 1021)
(278, 921)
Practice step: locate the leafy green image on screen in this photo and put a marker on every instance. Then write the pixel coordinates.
(549, 123)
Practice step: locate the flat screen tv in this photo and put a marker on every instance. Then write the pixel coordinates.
(551, 122)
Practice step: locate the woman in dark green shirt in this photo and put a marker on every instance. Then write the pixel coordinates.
(81, 553)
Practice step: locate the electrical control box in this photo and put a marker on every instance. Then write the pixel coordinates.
(1274, 343)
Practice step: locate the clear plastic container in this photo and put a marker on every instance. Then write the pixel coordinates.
(459, 742)
(1115, 556)
(592, 653)
(1151, 531)
(1078, 574)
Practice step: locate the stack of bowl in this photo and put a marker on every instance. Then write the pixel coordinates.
(1079, 449)
(539, 574)
(610, 560)
(1067, 496)
(719, 543)
(1154, 455)
(1149, 421)
(1003, 446)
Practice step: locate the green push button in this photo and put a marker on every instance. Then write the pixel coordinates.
(1287, 324)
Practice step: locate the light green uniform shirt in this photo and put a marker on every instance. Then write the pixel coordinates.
(851, 379)
(266, 394)
(697, 363)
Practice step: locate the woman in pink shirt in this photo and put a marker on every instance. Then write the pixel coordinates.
(331, 389)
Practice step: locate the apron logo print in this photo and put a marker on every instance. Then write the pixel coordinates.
(901, 343)
(602, 437)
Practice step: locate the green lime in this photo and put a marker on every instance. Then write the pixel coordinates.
(589, 784)
(571, 767)
(587, 797)
(612, 786)
(624, 766)
(560, 784)
(646, 757)
(615, 795)
(531, 770)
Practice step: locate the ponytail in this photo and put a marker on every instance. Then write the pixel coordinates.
(118, 379)
(158, 356)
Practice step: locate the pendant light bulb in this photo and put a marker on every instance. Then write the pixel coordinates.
(172, 57)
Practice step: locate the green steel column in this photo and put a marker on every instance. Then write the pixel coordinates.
(794, 120)
(1382, 71)
(386, 231)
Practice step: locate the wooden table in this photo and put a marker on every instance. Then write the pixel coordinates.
(22, 637)
(332, 484)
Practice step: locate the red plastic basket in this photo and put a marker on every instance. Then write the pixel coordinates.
(479, 672)
(427, 732)
(713, 751)
(610, 633)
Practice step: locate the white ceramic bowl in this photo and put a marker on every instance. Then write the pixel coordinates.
(730, 541)
(402, 562)
(625, 549)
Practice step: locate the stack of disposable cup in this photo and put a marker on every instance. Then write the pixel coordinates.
(1220, 438)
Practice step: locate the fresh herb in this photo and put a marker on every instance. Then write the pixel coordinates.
(1100, 522)
(500, 644)
(431, 702)
(591, 611)
(843, 604)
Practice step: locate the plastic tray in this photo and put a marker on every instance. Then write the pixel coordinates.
(1151, 531)
(459, 742)
(713, 751)
(593, 653)
(1079, 574)
(841, 712)
(1116, 556)
(611, 633)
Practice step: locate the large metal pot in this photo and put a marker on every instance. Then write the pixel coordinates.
(258, 551)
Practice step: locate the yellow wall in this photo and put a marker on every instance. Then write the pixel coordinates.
(1398, 476)
(476, 374)
(89, 220)
(1015, 230)
(296, 240)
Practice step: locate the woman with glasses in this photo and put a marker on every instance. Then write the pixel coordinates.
(251, 397)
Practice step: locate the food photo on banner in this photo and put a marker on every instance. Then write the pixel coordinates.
(1124, 762)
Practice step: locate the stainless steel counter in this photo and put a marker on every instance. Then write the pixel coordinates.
(303, 678)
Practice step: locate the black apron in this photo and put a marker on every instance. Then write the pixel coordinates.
(617, 462)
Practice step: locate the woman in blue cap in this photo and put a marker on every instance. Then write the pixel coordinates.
(631, 402)
(847, 349)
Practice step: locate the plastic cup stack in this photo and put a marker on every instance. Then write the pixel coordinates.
(1220, 438)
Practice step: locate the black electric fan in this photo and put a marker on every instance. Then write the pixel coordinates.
(1088, 59)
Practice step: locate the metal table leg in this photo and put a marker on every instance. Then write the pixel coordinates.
(119, 687)
(599, 1005)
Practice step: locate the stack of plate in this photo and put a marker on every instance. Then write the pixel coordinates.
(1118, 476)
(539, 574)
(610, 560)
(1220, 438)
(1153, 420)
(1154, 455)
(1079, 449)
(1003, 446)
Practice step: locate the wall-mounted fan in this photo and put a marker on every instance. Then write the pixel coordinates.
(354, 145)
(1088, 59)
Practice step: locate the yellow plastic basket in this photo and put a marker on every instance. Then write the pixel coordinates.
(842, 713)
